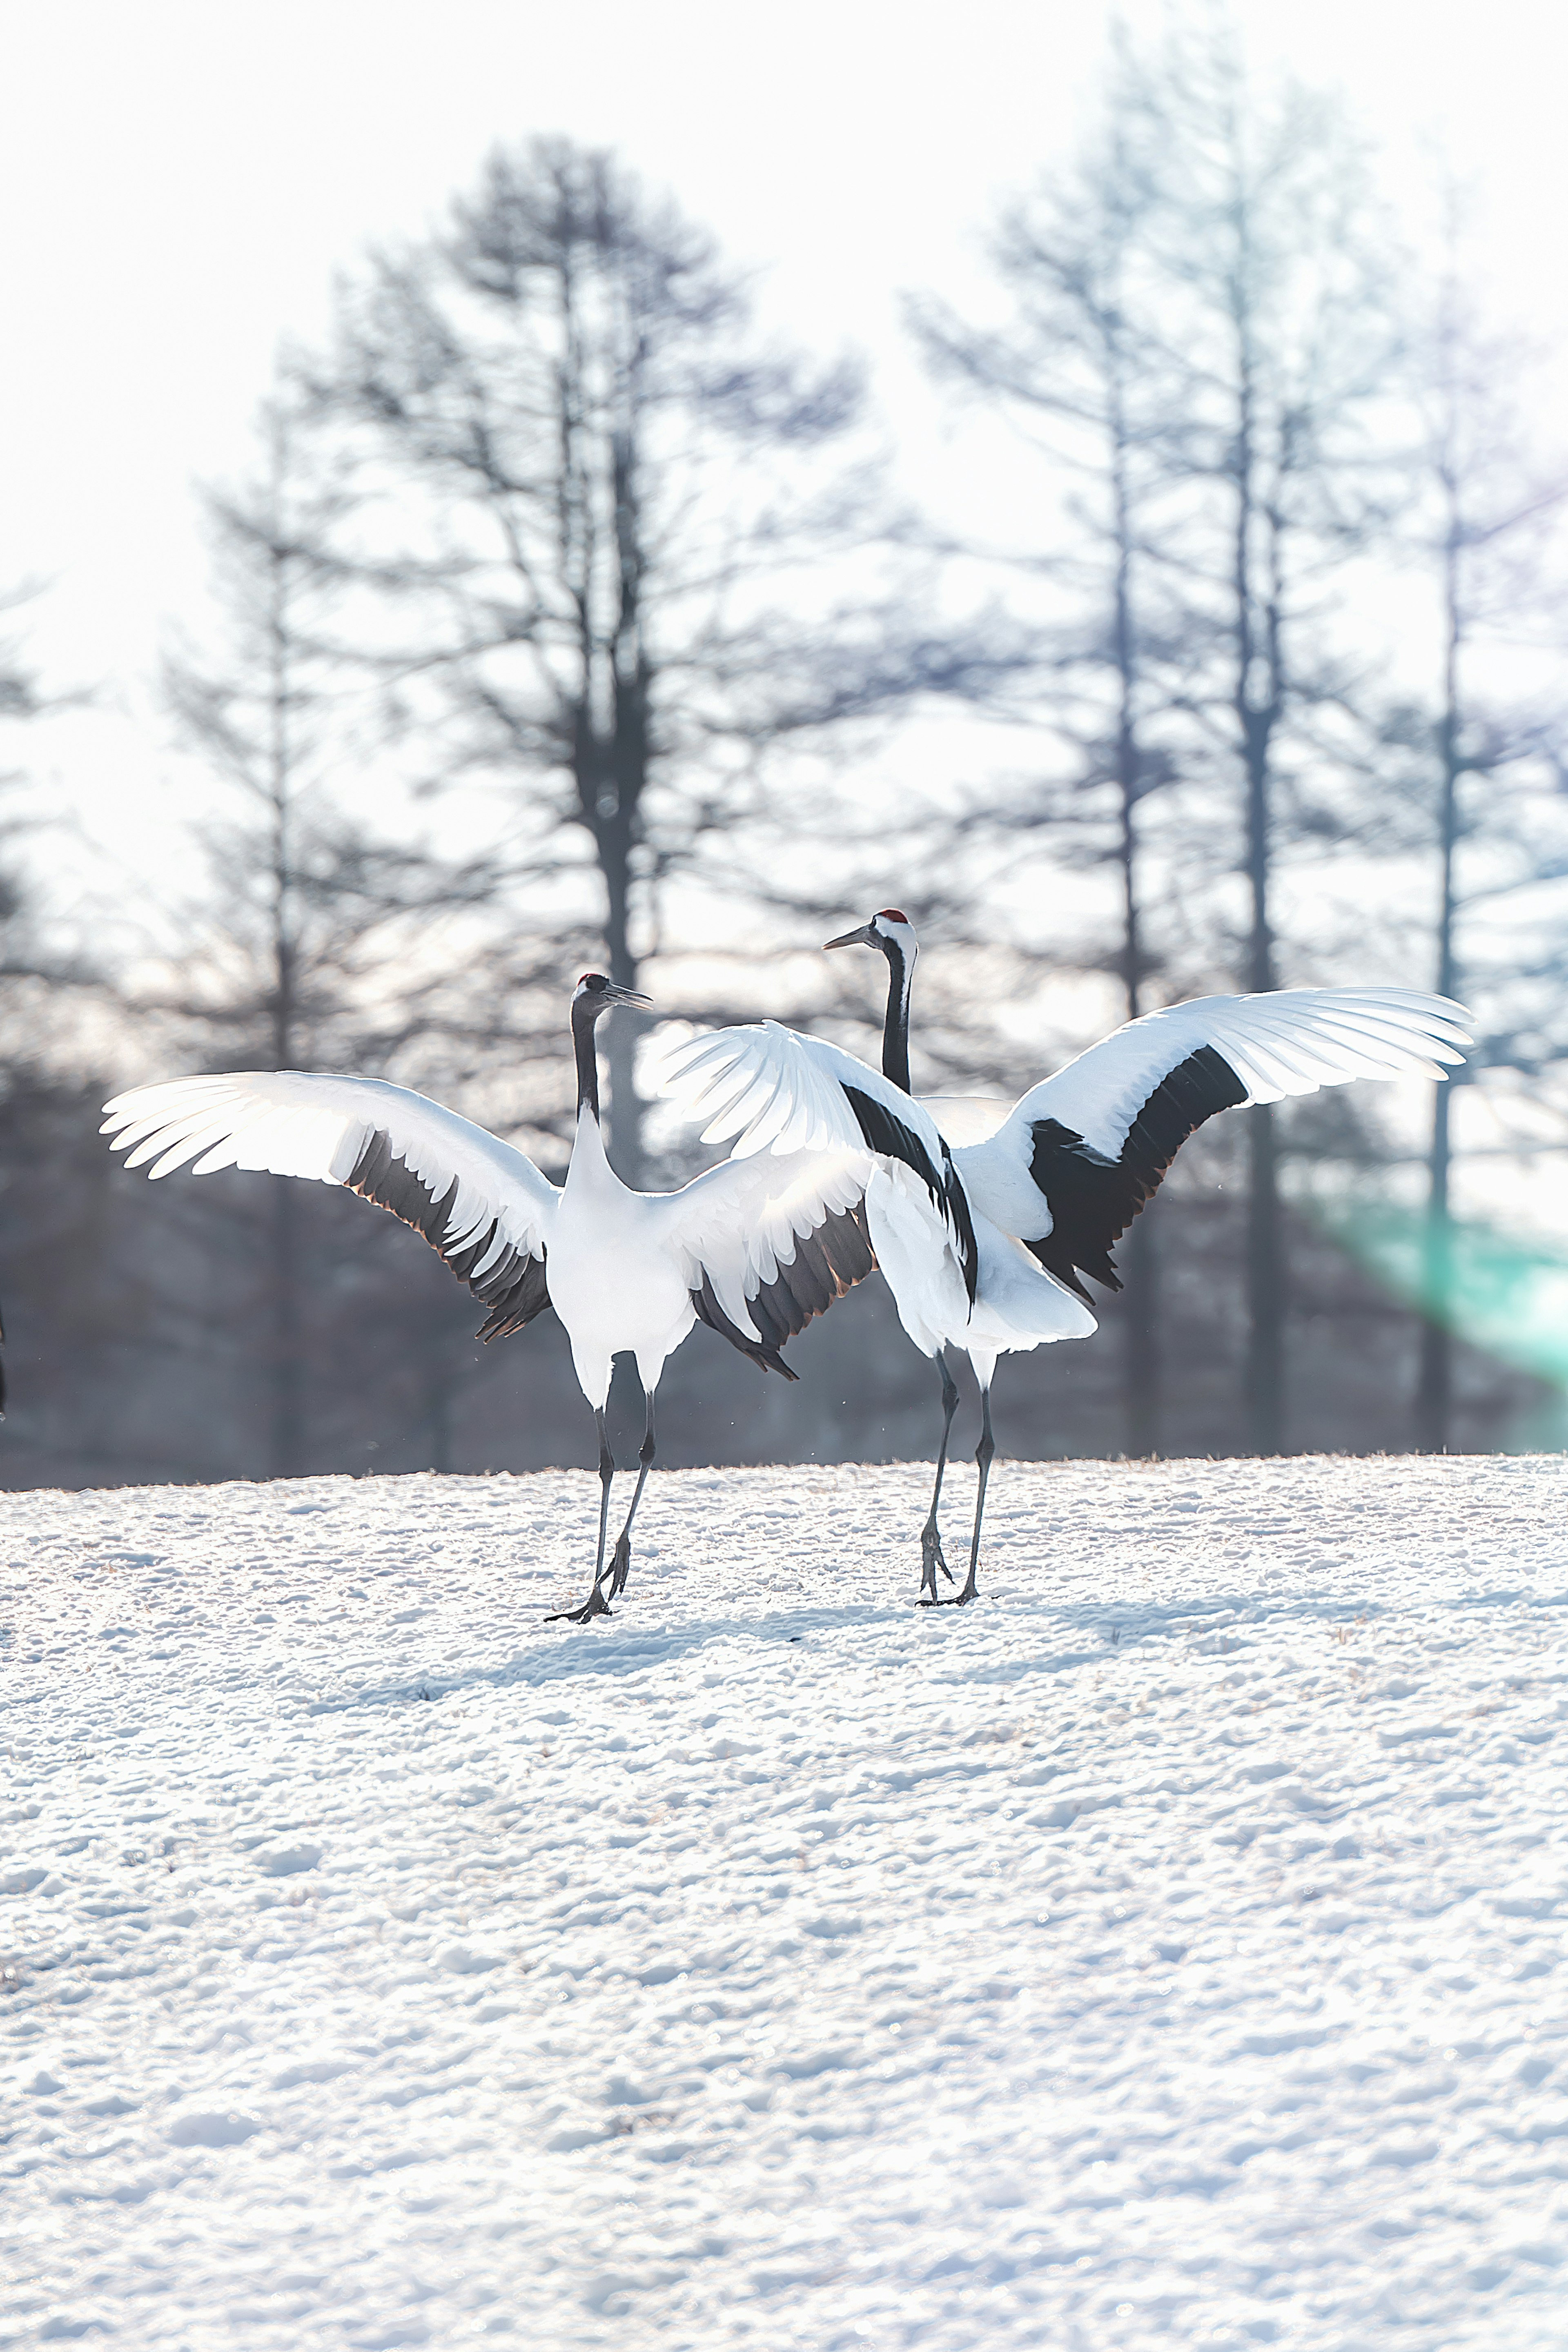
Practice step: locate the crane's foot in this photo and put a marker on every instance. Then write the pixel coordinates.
(951, 1600)
(595, 1605)
(931, 1559)
(620, 1564)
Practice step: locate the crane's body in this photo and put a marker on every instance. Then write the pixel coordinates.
(613, 1281)
(753, 1249)
(1046, 1188)
(1015, 1306)
(835, 1168)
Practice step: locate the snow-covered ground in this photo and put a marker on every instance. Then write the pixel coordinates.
(1166, 1952)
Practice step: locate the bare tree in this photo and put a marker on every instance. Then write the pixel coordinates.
(29, 952)
(1081, 370)
(1199, 349)
(20, 699)
(593, 551)
(316, 932)
(40, 974)
(1492, 770)
(1281, 312)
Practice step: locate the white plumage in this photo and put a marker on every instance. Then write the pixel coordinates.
(291, 1123)
(1064, 1172)
(1289, 1042)
(1133, 1098)
(768, 1087)
(754, 1247)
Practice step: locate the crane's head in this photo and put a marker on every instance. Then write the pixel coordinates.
(889, 929)
(594, 994)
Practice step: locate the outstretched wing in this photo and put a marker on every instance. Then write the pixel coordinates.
(481, 1203)
(765, 1244)
(773, 1089)
(1081, 1154)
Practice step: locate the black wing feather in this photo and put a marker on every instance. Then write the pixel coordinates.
(1093, 1199)
(514, 1288)
(886, 1133)
(827, 1263)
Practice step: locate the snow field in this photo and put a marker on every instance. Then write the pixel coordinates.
(1167, 1951)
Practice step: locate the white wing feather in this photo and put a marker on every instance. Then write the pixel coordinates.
(294, 1123)
(742, 1221)
(768, 1088)
(772, 1089)
(1289, 1042)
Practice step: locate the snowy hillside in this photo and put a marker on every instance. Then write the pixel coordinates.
(1167, 1951)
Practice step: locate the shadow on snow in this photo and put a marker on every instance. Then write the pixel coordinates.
(1075, 1633)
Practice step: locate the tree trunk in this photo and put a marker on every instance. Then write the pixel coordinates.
(1140, 1325)
(1260, 695)
(608, 813)
(287, 1449)
(631, 680)
(1140, 1315)
(1434, 1380)
(1266, 1275)
(622, 1029)
(1265, 1286)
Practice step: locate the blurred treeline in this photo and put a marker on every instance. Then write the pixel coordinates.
(559, 617)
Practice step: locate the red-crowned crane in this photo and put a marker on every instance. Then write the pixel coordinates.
(754, 1247)
(1066, 1169)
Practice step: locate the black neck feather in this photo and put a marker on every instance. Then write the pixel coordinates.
(584, 1014)
(896, 1026)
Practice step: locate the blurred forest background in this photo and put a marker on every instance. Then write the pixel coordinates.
(563, 616)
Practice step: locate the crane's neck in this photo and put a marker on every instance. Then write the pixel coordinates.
(896, 1026)
(583, 1017)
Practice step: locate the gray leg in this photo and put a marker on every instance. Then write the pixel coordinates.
(622, 1558)
(983, 1454)
(932, 1557)
(596, 1604)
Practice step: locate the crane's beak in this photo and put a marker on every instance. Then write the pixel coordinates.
(615, 994)
(863, 938)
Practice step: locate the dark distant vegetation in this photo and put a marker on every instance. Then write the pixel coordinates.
(560, 618)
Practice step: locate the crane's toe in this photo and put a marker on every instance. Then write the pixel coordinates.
(950, 1600)
(595, 1605)
(932, 1557)
(620, 1565)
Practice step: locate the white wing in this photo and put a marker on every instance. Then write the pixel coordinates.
(776, 1089)
(776, 1092)
(1289, 1042)
(773, 1089)
(952, 1278)
(481, 1203)
(765, 1244)
(1083, 1151)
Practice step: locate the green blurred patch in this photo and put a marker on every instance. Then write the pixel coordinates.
(1492, 1289)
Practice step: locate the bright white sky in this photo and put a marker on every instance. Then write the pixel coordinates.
(181, 180)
